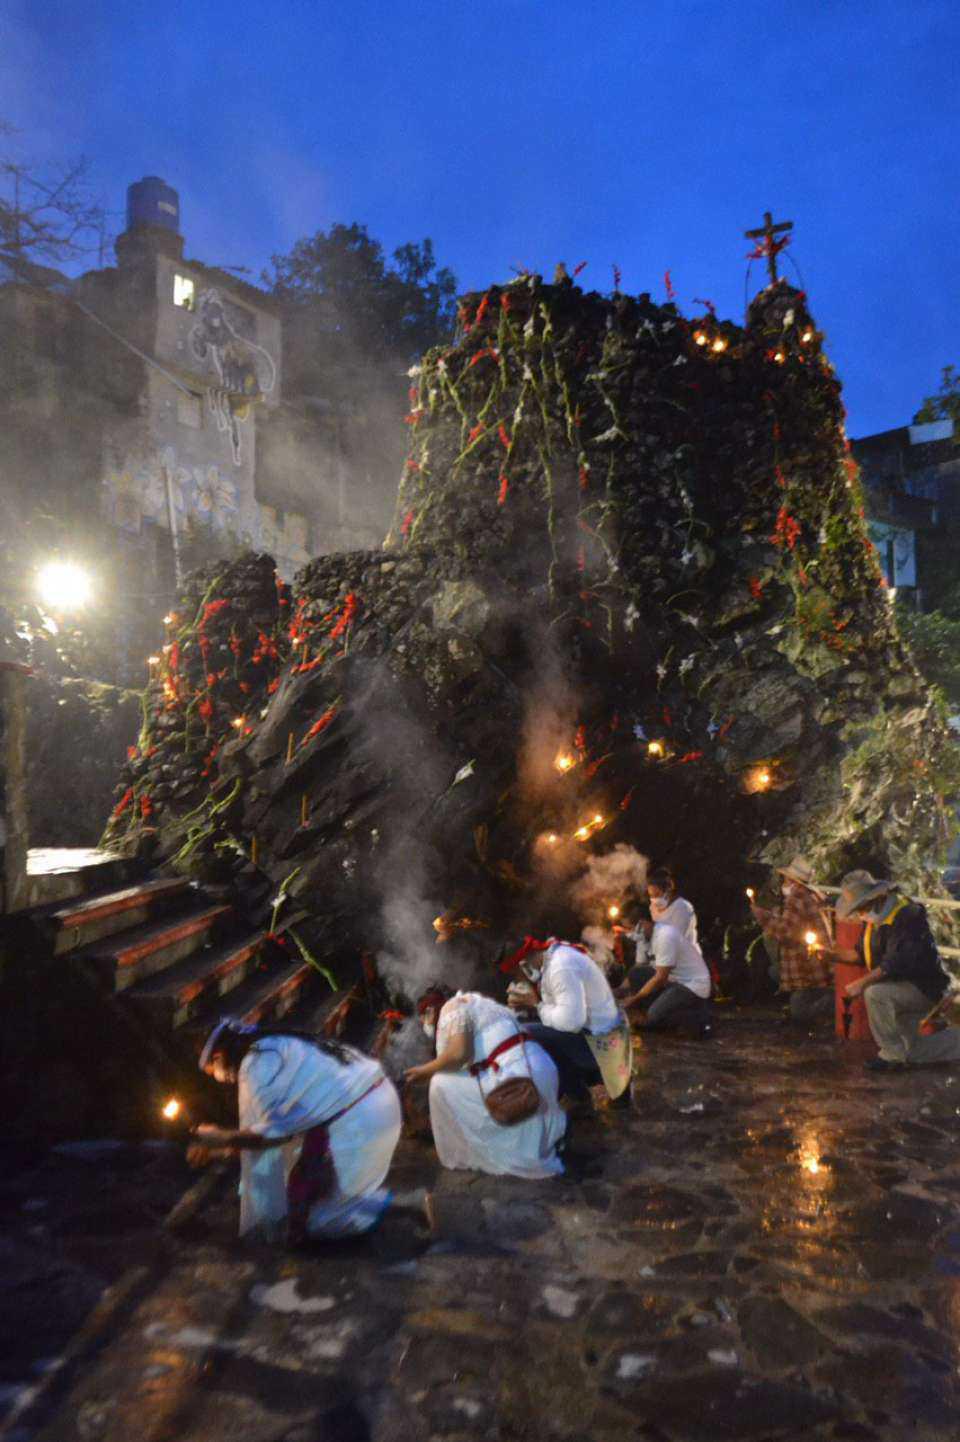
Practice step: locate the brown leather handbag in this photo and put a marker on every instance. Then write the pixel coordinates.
(512, 1101)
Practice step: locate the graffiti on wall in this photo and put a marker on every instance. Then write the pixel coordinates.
(138, 492)
(246, 371)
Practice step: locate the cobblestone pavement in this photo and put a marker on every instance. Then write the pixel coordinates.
(766, 1246)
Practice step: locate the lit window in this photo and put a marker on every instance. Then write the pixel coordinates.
(183, 292)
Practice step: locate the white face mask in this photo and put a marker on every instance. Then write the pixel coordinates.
(429, 1029)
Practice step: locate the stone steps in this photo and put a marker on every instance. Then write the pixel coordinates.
(182, 992)
(143, 951)
(274, 995)
(59, 874)
(81, 923)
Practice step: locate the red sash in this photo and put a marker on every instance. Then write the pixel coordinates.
(490, 1061)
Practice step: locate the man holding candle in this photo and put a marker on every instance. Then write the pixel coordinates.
(802, 930)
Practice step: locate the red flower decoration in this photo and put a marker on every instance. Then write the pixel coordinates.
(756, 588)
(504, 437)
(405, 525)
(123, 803)
(786, 530)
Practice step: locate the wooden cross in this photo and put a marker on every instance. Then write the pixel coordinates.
(768, 246)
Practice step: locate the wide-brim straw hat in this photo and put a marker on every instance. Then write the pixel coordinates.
(857, 889)
(799, 869)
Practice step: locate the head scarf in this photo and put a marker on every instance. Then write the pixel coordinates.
(226, 1023)
(529, 945)
(432, 1000)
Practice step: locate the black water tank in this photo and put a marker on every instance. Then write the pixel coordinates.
(151, 201)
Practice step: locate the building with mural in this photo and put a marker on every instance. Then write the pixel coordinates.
(145, 427)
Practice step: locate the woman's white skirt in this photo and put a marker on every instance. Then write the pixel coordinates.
(467, 1136)
(362, 1145)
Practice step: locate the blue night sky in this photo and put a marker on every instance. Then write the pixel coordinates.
(646, 133)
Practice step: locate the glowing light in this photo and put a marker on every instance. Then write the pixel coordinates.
(810, 937)
(598, 820)
(763, 780)
(171, 1109)
(63, 585)
(750, 893)
(153, 660)
(169, 618)
(719, 344)
(581, 833)
(239, 722)
(551, 838)
(655, 748)
(613, 912)
(564, 763)
(811, 1165)
(700, 337)
(807, 337)
(779, 357)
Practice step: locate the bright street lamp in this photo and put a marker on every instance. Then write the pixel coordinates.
(63, 585)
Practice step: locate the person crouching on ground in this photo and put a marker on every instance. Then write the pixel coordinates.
(675, 990)
(580, 1025)
(479, 1047)
(319, 1123)
(806, 972)
(905, 979)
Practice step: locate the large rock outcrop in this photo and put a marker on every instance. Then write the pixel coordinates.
(623, 538)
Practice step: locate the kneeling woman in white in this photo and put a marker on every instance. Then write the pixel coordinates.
(319, 1123)
(471, 1031)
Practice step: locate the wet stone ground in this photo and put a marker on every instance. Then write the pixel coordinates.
(767, 1246)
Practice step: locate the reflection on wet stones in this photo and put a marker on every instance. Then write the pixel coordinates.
(630, 1314)
(659, 1209)
(778, 1336)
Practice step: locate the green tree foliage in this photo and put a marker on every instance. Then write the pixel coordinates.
(350, 315)
(945, 405)
(935, 642)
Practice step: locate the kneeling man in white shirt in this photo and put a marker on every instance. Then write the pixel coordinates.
(677, 990)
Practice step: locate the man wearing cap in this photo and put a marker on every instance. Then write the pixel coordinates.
(904, 979)
(805, 970)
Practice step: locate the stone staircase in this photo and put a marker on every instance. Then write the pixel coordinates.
(159, 944)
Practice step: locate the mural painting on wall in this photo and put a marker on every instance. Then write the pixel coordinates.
(138, 492)
(246, 370)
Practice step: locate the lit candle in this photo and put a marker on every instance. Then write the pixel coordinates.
(238, 722)
(719, 344)
(810, 937)
(171, 1109)
(613, 912)
(564, 763)
(655, 748)
(750, 893)
(581, 833)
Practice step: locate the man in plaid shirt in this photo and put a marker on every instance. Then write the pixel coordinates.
(805, 970)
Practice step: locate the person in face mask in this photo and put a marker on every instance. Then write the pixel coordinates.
(806, 972)
(903, 980)
(480, 1047)
(580, 1024)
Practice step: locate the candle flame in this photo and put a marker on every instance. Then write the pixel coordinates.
(811, 1165)
(171, 1109)
(551, 838)
(655, 748)
(582, 832)
(700, 337)
(751, 893)
(238, 722)
(810, 937)
(564, 762)
(613, 912)
(719, 344)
